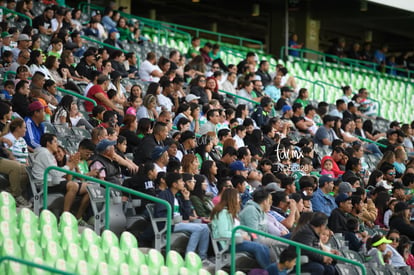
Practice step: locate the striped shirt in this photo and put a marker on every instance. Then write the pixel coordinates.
(18, 148)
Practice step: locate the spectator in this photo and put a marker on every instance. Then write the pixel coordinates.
(263, 73)
(322, 201)
(87, 65)
(35, 128)
(43, 21)
(400, 220)
(103, 162)
(98, 93)
(148, 70)
(338, 218)
(324, 135)
(286, 92)
(148, 143)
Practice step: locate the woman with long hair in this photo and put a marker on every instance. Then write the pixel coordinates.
(203, 149)
(52, 64)
(400, 220)
(209, 170)
(36, 63)
(145, 127)
(255, 143)
(242, 112)
(201, 202)
(129, 131)
(190, 164)
(147, 109)
(375, 177)
(224, 217)
(381, 203)
(61, 114)
(197, 87)
(303, 97)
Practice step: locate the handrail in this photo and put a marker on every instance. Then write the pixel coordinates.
(298, 246)
(196, 30)
(19, 14)
(102, 43)
(241, 97)
(108, 186)
(314, 83)
(77, 95)
(372, 141)
(33, 264)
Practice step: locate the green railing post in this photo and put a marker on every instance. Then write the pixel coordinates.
(18, 13)
(33, 264)
(108, 186)
(77, 95)
(298, 260)
(283, 240)
(241, 97)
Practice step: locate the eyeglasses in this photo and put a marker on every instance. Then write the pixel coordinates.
(397, 240)
(202, 80)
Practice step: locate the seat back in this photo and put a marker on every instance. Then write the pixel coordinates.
(159, 234)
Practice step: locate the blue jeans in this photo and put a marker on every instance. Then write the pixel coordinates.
(315, 268)
(258, 250)
(200, 237)
(374, 149)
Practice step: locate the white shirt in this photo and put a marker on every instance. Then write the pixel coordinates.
(312, 129)
(239, 141)
(145, 71)
(160, 169)
(165, 102)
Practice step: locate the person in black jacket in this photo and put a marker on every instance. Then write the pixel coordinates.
(309, 235)
(400, 220)
(143, 152)
(179, 199)
(339, 216)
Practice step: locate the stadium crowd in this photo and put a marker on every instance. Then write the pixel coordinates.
(272, 160)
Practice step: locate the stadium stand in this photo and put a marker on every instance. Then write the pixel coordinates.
(294, 156)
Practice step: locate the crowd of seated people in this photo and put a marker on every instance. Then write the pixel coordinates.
(281, 165)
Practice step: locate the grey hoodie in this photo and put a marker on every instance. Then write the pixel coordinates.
(43, 158)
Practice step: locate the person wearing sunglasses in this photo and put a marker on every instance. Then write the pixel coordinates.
(396, 259)
(389, 173)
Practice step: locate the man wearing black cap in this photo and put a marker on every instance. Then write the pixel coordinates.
(339, 216)
(160, 158)
(325, 134)
(87, 64)
(188, 142)
(103, 162)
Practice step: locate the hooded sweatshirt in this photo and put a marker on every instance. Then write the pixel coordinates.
(43, 158)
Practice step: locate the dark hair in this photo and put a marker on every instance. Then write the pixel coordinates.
(407, 179)
(144, 125)
(288, 255)
(46, 138)
(352, 163)
(260, 195)
(182, 121)
(318, 219)
(170, 178)
(173, 166)
(198, 187)
(237, 179)
(352, 224)
(87, 144)
(205, 170)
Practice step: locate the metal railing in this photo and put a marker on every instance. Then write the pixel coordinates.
(29, 20)
(77, 95)
(108, 186)
(241, 97)
(178, 27)
(33, 264)
(298, 246)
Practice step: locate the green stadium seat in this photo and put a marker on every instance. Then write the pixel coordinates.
(8, 214)
(73, 255)
(125, 269)
(68, 235)
(48, 232)
(88, 238)
(47, 217)
(83, 268)
(52, 252)
(202, 271)
(68, 220)
(30, 250)
(108, 240)
(145, 270)
(61, 265)
(115, 257)
(94, 255)
(221, 272)
(193, 262)
(7, 231)
(28, 231)
(154, 261)
(127, 241)
(135, 257)
(103, 269)
(27, 216)
(38, 271)
(174, 262)
(6, 199)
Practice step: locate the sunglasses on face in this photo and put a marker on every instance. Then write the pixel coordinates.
(397, 240)
(391, 174)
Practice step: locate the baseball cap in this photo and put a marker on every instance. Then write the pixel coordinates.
(95, 13)
(324, 179)
(341, 198)
(104, 144)
(191, 97)
(286, 108)
(237, 166)
(400, 206)
(158, 151)
(187, 135)
(36, 105)
(23, 37)
(6, 34)
(286, 89)
(113, 30)
(273, 187)
(345, 187)
(378, 240)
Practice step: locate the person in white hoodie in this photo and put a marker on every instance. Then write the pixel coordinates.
(43, 158)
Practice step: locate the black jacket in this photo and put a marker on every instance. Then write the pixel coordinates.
(308, 236)
(337, 221)
(144, 150)
(185, 206)
(112, 170)
(403, 227)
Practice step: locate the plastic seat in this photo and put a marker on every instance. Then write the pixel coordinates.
(61, 264)
(68, 236)
(193, 262)
(135, 257)
(154, 261)
(6, 199)
(38, 271)
(127, 241)
(28, 231)
(7, 231)
(30, 250)
(88, 238)
(52, 252)
(73, 255)
(47, 217)
(27, 216)
(115, 257)
(108, 240)
(83, 268)
(8, 214)
(145, 270)
(48, 233)
(125, 269)
(67, 220)
(103, 269)
(202, 271)
(174, 262)
(94, 255)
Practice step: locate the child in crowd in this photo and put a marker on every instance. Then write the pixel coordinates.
(376, 246)
(135, 102)
(327, 168)
(390, 210)
(8, 91)
(355, 243)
